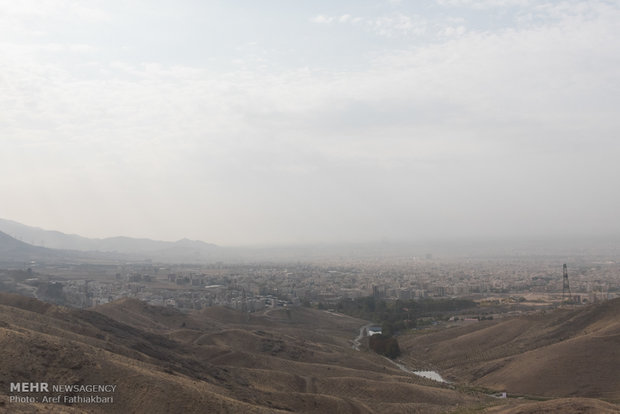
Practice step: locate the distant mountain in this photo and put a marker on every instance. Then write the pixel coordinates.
(13, 250)
(182, 250)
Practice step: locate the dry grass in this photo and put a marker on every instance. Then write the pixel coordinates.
(565, 353)
(300, 360)
(216, 360)
(558, 406)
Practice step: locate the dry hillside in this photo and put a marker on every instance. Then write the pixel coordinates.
(301, 360)
(216, 360)
(562, 353)
(557, 406)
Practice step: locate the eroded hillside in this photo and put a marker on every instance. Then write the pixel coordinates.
(561, 353)
(301, 360)
(162, 360)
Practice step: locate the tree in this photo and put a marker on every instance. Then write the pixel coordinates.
(383, 345)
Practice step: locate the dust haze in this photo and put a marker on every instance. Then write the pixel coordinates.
(349, 122)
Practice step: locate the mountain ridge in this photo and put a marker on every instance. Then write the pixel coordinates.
(52, 241)
(58, 240)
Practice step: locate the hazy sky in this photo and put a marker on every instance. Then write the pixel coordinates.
(277, 121)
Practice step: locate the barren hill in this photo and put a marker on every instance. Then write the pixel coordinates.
(300, 360)
(562, 353)
(218, 360)
(558, 406)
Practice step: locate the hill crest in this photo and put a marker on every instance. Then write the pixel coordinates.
(566, 352)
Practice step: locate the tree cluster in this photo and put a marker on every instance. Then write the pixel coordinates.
(384, 345)
(397, 315)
